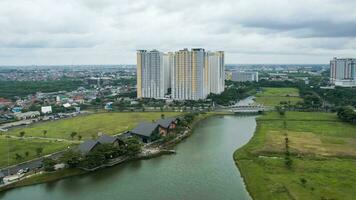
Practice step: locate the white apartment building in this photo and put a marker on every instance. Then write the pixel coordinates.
(191, 75)
(153, 76)
(215, 72)
(244, 76)
(343, 72)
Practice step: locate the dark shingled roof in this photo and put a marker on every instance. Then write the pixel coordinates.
(166, 122)
(145, 129)
(87, 146)
(107, 139)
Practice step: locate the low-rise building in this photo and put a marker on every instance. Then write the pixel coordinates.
(27, 115)
(245, 76)
(46, 109)
(112, 140)
(146, 131)
(166, 125)
(88, 146)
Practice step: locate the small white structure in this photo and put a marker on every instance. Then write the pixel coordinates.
(59, 166)
(66, 105)
(46, 109)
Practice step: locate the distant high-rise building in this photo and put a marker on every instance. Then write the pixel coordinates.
(152, 74)
(191, 75)
(215, 72)
(343, 72)
(245, 76)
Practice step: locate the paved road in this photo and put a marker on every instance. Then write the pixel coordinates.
(32, 164)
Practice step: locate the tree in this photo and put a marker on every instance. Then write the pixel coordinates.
(27, 153)
(22, 133)
(39, 150)
(48, 164)
(73, 134)
(162, 116)
(44, 133)
(303, 181)
(133, 146)
(93, 159)
(18, 156)
(79, 137)
(71, 158)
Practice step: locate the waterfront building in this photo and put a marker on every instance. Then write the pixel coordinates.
(245, 76)
(343, 72)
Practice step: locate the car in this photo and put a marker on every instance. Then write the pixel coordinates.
(21, 171)
(26, 170)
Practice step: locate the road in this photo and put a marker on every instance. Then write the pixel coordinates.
(32, 164)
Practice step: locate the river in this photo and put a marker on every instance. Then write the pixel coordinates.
(203, 168)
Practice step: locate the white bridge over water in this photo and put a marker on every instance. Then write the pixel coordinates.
(247, 108)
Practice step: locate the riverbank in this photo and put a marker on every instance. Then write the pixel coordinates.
(322, 151)
(54, 176)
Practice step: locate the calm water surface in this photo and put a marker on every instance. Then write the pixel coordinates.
(203, 168)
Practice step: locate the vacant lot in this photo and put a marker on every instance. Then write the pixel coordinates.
(273, 96)
(26, 149)
(323, 153)
(90, 125)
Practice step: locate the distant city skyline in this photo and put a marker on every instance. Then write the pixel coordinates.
(45, 32)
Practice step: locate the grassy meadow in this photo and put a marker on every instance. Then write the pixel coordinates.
(323, 153)
(90, 125)
(21, 146)
(273, 96)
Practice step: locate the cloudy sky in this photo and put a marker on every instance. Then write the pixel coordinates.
(41, 32)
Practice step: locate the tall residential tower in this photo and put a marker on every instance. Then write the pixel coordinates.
(343, 72)
(153, 75)
(191, 75)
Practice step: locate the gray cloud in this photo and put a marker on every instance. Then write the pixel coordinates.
(109, 31)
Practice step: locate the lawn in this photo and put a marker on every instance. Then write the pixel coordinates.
(21, 146)
(323, 150)
(90, 125)
(273, 96)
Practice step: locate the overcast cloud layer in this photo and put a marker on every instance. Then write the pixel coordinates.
(110, 31)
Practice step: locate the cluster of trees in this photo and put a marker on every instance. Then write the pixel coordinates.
(235, 91)
(347, 114)
(38, 152)
(11, 89)
(98, 156)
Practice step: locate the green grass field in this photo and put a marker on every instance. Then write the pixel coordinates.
(323, 152)
(89, 125)
(273, 96)
(20, 146)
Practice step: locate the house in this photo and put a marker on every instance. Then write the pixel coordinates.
(27, 115)
(16, 109)
(166, 125)
(2, 176)
(46, 109)
(107, 139)
(87, 146)
(108, 106)
(146, 131)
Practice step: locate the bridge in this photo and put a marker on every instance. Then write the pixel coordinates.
(248, 108)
